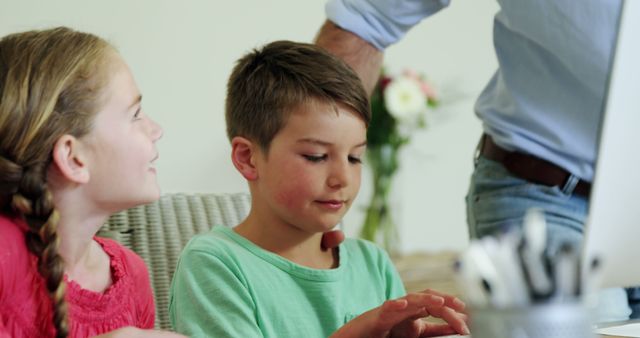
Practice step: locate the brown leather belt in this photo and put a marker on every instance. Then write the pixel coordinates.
(529, 167)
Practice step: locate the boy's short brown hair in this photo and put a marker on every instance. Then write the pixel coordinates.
(267, 84)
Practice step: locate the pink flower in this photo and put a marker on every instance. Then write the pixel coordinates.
(425, 86)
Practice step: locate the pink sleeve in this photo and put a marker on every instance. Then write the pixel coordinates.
(4, 334)
(13, 257)
(3, 331)
(146, 300)
(9, 255)
(142, 295)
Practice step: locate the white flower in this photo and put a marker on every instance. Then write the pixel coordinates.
(404, 98)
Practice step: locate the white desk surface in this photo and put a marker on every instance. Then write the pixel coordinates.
(628, 328)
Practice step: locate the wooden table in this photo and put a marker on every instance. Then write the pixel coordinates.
(422, 270)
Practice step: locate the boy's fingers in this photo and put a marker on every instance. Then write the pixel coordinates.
(457, 320)
(433, 329)
(418, 305)
(449, 300)
(393, 312)
(392, 306)
(424, 299)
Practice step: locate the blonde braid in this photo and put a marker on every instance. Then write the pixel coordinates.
(51, 84)
(35, 202)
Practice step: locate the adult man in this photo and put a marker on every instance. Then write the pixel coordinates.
(540, 111)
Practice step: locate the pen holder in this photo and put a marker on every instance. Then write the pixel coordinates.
(545, 320)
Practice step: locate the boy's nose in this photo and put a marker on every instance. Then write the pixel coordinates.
(339, 176)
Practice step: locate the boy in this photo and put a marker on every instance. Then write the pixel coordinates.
(297, 120)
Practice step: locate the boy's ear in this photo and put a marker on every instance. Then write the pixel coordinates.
(69, 160)
(243, 153)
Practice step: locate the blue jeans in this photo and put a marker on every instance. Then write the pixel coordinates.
(497, 200)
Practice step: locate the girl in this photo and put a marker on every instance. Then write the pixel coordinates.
(75, 147)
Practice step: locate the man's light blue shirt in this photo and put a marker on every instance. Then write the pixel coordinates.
(547, 96)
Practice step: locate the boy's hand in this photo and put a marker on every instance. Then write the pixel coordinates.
(332, 239)
(452, 312)
(403, 318)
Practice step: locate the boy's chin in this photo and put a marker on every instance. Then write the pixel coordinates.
(327, 226)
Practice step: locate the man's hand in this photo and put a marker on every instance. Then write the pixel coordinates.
(362, 56)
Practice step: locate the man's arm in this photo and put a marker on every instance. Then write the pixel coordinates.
(358, 31)
(362, 56)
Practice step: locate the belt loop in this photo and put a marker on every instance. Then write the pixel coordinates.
(571, 184)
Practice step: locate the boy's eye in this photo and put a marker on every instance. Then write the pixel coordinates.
(355, 159)
(315, 158)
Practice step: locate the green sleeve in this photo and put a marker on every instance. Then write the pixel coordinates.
(395, 286)
(209, 299)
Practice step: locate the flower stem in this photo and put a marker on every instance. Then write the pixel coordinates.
(378, 222)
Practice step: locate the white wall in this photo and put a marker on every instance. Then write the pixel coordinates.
(182, 52)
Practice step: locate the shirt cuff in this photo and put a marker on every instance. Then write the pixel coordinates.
(381, 22)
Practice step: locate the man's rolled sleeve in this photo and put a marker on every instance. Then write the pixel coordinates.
(381, 22)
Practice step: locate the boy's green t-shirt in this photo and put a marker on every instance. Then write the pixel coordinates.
(226, 286)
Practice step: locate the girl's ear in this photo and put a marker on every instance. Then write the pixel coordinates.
(243, 153)
(69, 160)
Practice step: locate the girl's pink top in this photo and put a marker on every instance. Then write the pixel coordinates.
(25, 306)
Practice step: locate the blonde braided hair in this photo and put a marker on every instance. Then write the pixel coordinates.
(51, 84)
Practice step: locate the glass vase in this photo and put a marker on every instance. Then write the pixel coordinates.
(379, 226)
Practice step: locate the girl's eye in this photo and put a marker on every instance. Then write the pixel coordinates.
(136, 116)
(315, 158)
(355, 160)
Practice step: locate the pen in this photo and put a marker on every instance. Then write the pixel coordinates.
(532, 251)
(566, 273)
(508, 266)
(469, 283)
(494, 282)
